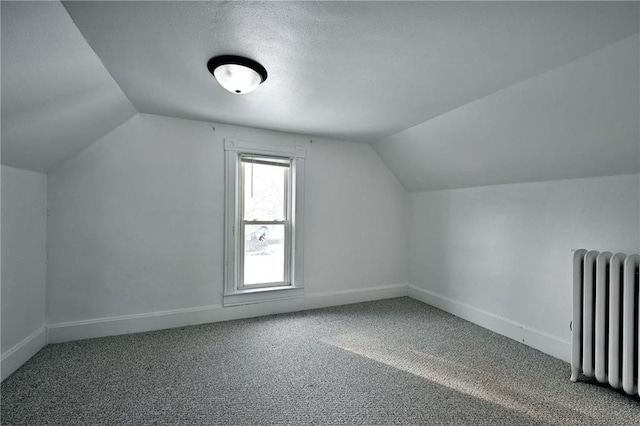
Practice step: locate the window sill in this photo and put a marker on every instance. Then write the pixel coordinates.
(259, 295)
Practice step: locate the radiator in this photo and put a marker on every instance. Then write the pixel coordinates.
(605, 329)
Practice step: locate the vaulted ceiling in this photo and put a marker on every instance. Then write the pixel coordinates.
(356, 71)
(57, 97)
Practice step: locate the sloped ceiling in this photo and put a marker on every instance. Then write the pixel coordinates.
(57, 97)
(345, 70)
(578, 120)
(359, 71)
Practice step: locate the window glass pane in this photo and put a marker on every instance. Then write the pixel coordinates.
(264, 191)
(263, 254)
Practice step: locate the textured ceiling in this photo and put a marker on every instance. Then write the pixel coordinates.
(451, 94)
(346, 70)
(57, 98)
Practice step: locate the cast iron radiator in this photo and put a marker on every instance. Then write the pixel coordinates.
(605, 329)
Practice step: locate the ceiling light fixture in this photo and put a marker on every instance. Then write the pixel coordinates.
(237, 74)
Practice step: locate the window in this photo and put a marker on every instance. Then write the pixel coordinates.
(265, 221)
(263, 248)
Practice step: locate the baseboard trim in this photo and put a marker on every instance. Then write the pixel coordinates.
(125, 324)
(21, 352)
(536, 339)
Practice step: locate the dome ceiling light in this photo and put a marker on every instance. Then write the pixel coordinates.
(237, 74)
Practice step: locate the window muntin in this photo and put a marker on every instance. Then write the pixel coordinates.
(265, 210)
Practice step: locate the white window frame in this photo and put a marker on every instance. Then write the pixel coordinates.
(234, 292)
(286, 221)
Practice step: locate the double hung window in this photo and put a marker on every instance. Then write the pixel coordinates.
(265, 221)
(263, 258)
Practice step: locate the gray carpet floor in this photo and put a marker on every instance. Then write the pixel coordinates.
(387, 362)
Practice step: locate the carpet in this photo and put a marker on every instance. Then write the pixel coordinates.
(388, 362)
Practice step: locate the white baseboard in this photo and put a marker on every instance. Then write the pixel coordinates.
(536, 339)
(111, 326)
(20, 353)
(76, 330)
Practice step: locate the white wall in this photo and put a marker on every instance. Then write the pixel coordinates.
(136, 223)
(23, 266)
(501, 255)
